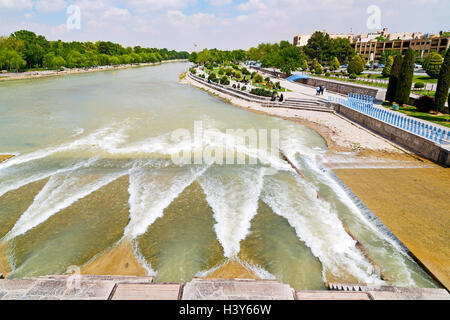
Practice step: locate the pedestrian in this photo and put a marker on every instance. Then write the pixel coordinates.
(281, 98)
(318, 91)
(322, 90)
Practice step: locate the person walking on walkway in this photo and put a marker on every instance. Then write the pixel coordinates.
(318, 91)
(322, 90)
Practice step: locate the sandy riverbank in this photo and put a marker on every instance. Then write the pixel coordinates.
(54, 73)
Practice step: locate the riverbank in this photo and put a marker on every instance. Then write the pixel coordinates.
(340, 134)
(54, 73)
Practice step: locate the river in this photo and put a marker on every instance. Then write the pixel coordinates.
(95, 166)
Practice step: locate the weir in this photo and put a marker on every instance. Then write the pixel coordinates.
(114, 181)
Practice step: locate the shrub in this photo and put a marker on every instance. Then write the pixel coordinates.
(433, 64)
(192, 70)
(245, 71)
(254, 73)
(244, 88)
(327, 74)
(234, 86)
(261, 92)
(258, 78)
(221, 72)
(334, 64)
(229, 71)
(419, 85)
(278, 85)
(424, 103)
(393, 79)
(356, 65)
(225, 81)
(267, 79)
(405, 79)
(212, 77)
(352, 76)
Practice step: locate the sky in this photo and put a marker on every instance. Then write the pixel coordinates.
(222, 24)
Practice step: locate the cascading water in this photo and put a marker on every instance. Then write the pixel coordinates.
(103, 164)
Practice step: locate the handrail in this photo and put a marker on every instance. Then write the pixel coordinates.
(421, 128)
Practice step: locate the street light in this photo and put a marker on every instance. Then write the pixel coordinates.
(321, 55)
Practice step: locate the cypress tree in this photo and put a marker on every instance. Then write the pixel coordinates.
(443, 84)
(405, 79)
(433, 65)
(388, 67)
(393, 79)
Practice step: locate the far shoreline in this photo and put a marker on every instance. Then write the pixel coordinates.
(56, 73)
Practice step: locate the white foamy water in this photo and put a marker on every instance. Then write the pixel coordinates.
(233, 197)
(317, 226)
(151, 191)
(61, 191)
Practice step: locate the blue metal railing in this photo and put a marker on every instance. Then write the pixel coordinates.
(364, 104)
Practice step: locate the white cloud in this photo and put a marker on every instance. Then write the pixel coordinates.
(117, 14)
(154, 5)
(252, 5)
(219, 2)
(50, 5)
(176, 17)
(16, 4)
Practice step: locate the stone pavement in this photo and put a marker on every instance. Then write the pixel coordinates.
(143, 288)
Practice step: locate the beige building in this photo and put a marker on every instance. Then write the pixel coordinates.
(301, 40)
(423, 46)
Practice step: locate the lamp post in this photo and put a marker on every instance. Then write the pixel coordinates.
(321, 55)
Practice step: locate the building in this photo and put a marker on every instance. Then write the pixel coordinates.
(301, 40)
(423, 46)
(368, 45)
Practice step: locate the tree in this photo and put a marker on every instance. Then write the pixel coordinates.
(316, 66)
(405, 79)
(388, 67)
(443, 84)
(393, 79)
(334, 64)
(386, 53)
(356, 65)
(193, 57)
(433, 64)
(304, 65)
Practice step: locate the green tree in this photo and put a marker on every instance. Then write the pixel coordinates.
(304, 65)
(405, 79)
(193, 57)
(388, 67)
(356, 65)
(433, 64)
(393, 79)
(334, 64)
(443, 85)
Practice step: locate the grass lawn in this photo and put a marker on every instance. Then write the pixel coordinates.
(443, 120)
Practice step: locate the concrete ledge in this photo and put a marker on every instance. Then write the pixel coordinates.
(237, 289)
(146, 291)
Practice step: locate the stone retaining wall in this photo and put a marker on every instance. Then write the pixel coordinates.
(339, 87)
(418, 145)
